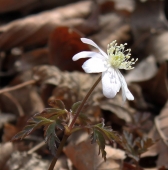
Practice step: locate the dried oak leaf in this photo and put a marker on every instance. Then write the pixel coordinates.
(29, 161)
(147, 16)
(160, 131)
(10, 130)
(110, 31)
(35, 29)
(155, 89)
(144, 70)
(28, 5)
(85, 156)
(32, 58)
(157, 46)
(22, 101)
(6, 150)
(64, 42)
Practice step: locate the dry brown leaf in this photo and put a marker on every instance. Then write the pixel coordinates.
(4, 118)
(33, 58)
(112, 27)
(155, 89)
(148, 16)
(158, 46)
(160, 131)
(35, 29)
(145, 70)
(22, 101)
(119, 6)
(85, 156)
(6, 150)
(10, 130)
(28, 5)
(64, 42)
(72, 87)
(26, 161)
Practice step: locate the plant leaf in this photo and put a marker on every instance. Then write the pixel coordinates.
(135, 147)
(56, 103)
(102, 132)
(51, 137)
(75, 106)
(83, 119)
(99, 138)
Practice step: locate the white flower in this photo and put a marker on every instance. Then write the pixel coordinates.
(109, 64)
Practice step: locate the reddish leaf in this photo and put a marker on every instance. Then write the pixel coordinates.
(65, 42)
(57, 104)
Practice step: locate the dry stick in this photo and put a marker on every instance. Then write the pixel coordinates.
(17, 86)
(38, 146)
(14, 100)
(65, 137)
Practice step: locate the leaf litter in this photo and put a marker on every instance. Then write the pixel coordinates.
(37, 46)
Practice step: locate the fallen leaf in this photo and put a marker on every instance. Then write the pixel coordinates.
(29, 161)
(6, 150)
(157, 47)
(6, 117)
(144, 70)
(27, 6)
(159, 82)
(85, 156)
(64, 43)
(35, 29)
(32, 58)
(148, 16)
(160, 131)
(72, 87)
(110, 31)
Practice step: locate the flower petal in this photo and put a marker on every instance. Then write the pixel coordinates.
(86, 54)
(94, 65)
(90, 42)
(110, 82)
(125, 91)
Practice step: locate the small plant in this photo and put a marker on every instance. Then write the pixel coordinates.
(69, 121)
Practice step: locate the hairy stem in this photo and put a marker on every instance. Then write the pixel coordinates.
(65, 137)
(83, 102)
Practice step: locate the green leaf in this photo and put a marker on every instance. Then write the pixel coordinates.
(51, 137)
(143, 144)
(33, 123)
(48, 112)
(102, 132)
(83, 119)
(99, 138)
(108, 132)
(135, 147)
(57, 104)
(75, 106)
(22, 134)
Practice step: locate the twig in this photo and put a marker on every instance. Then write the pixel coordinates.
(38, 146)
(20, 110)
(8, 89)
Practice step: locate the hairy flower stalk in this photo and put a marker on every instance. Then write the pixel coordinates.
(112, 80)
(65, 137)
(109, 64)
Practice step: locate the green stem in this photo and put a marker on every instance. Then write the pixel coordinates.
(65, 137)
(83, 102)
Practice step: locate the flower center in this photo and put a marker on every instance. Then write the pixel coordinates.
(118, 58)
